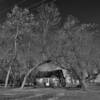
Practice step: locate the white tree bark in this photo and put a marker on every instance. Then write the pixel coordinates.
(28, 73)
(7, 77)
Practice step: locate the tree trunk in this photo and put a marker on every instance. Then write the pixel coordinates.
(28, 73)
(7, 77)
(81, 78)
(84, 84)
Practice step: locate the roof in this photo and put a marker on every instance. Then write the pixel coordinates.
(48, 67)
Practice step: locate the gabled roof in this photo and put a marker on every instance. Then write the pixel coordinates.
(48, 67)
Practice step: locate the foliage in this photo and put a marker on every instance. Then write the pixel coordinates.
(27, 39)
(48, 17)
(15, 29)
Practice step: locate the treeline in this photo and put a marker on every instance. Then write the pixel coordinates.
(28, 39)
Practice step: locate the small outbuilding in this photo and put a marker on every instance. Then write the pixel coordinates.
(52, 75)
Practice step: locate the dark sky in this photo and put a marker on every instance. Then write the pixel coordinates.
(85, 11)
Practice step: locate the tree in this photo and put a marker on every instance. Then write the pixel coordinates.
(18, 22)
(72, 48)
(48, 17)
(79, 46)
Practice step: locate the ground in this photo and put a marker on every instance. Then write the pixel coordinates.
(48, 94)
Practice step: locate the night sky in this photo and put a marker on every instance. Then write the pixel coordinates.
(85, 11)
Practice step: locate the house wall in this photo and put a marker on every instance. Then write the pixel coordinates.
(45, 82)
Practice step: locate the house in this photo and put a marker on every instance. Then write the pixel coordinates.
(52, 75)
(50, 78)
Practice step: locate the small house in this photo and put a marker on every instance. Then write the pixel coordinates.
(49, 78)
(51, 75)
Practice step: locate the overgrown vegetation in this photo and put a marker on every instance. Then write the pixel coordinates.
(28, 39)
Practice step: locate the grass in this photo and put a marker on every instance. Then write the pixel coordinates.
(48, 94)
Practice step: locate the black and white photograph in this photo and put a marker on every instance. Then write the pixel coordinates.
(49, 50)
